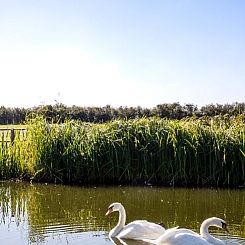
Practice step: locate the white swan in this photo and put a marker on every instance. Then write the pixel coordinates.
(188, 237)
(138, 229)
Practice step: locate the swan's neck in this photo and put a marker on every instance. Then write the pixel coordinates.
(206, 235)
(122, 217)
(121, 222)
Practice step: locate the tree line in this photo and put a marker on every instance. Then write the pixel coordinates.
(60, 112)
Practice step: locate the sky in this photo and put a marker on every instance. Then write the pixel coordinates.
(121, 52)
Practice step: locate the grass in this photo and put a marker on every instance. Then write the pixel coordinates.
(188, 152)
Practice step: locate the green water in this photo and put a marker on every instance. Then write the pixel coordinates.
(49, 214)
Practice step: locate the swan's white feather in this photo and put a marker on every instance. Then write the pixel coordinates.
(170, 233)
(182, 238)
(140, 229)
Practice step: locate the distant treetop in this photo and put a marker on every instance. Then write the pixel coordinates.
(60, 112)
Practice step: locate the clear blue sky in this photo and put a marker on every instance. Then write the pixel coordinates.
(121, 52)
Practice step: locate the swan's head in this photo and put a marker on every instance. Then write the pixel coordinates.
(116, 206)
(218, 222)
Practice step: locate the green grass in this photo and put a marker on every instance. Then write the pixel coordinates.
(189, 152)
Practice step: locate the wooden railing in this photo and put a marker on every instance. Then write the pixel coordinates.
(9, 134)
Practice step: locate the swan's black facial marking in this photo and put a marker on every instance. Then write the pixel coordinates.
(224, 226)
(110, 210)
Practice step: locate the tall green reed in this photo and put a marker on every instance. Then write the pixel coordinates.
(189, 152)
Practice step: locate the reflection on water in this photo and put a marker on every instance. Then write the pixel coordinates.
(49, 214)
(118, 241)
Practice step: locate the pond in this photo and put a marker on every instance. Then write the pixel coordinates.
(57, 214)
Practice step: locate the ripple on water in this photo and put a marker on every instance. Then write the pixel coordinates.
(231, 240)
(60, 228)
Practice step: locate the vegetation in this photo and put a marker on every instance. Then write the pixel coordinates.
(186, 152)
(60, 112)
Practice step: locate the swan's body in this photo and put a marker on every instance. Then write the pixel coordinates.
(138, 230)
(188, 237)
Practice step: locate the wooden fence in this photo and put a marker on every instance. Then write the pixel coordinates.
(9, 134)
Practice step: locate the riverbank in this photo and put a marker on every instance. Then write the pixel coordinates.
(187, 152)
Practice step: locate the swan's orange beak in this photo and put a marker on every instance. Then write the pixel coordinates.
(109, 211)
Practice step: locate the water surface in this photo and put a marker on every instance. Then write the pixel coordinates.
(50, 214)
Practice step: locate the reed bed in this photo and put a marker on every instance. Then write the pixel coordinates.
(187, 152)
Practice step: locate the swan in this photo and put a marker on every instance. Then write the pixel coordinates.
(137, 230)
(188, 237)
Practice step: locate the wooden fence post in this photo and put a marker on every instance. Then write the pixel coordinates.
(12, 135)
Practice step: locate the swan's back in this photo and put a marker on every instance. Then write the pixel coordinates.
(181, 237)
(140, 229)
(188, 239)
